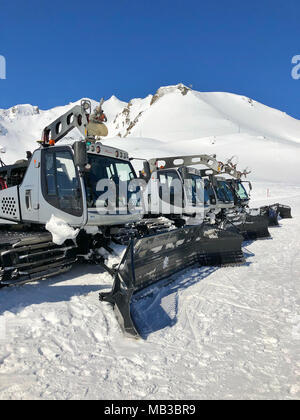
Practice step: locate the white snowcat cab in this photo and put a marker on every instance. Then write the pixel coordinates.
(175, 188)
(64, 179)
(174, 191)
(236, 184)
(199, 188)
(237, 216)
(241, 195)
(219, 192)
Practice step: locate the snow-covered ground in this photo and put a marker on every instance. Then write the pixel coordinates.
(212, 333)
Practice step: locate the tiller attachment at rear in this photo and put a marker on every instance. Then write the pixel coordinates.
(152, 258)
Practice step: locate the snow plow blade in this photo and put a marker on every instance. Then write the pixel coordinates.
(153, 258)
(284, 211)
(251, 226)
(271, 212)
(256, 227)
(274, 211)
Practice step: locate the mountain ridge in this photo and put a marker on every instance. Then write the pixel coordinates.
(176, 120)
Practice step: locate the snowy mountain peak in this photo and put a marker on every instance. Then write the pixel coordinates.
(128, 118)
(113, 98)
(19, 110)
(169, 89)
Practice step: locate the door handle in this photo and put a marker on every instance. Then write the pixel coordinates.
(28, 201)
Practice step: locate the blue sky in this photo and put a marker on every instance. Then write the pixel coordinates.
(60, 51)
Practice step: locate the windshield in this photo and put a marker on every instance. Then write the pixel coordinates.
(224, 192)
(241, 191)
(197, 190)
(103, 167)
(209, 195)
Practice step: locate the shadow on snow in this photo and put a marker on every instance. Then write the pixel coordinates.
(16, 298)
(156, 307)
(152, 309)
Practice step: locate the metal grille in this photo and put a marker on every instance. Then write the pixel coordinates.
(8, 206)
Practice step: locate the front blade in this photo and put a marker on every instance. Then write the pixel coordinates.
(284, 211)
(256, 227)
(152, 258)
(271, 212)
(250, 226)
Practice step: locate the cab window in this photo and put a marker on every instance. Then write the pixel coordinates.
(242, 193)
(61, 186)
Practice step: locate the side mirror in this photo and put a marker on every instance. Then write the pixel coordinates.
(214, 182)
(184, 172)
(147, 170)
(80, 154)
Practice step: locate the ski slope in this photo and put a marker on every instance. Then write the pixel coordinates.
(209, 333)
